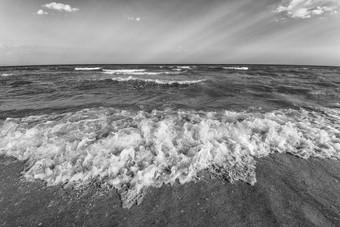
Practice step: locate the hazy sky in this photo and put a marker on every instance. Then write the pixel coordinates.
(170, 31)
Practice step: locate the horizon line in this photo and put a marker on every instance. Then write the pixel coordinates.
(272, 64)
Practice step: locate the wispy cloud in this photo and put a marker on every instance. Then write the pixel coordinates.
(137, 19)
(60, 7)
(307, 8)
(41, 12)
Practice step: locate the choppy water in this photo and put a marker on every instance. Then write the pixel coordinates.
(131, 127)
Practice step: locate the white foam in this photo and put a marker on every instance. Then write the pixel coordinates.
(173, 73)
(156, 81)
(122, 71)
(87, 69)
(237, 68)
(183, 67)
(7, 74)
(136, 72)
(132, 151)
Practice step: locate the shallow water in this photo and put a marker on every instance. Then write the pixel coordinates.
(131, 127)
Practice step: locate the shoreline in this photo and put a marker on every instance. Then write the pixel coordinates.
(289, 191)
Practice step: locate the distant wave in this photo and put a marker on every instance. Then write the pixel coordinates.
(157, 81)
(135, 72)
(183, 67)
(7, 74)
(176, 69)
(132, 151)
(129, 71)
(237, 68)
(122, 71)
(87, 69)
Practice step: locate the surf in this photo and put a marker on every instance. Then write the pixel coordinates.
(132, 151)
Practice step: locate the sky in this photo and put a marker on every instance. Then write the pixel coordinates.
(35, 32)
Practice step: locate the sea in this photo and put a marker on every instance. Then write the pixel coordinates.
(130, 128)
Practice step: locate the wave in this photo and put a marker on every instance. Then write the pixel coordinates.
(157, 81)
(131, 151)
(137, 72)
(88, 69)
(237, 68)
(7, 74)
(183, 67)
(122, 71)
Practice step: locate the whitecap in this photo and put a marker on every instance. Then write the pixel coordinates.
(137, 72)
(87, 69)
(183, 67)
(7, 74)
(122, 71)
(236, 68)
(156, 81)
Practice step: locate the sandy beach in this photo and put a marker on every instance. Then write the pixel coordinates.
(290, 191)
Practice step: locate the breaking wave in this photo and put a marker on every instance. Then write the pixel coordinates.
(184, 67)
(7, 74)
(122, 71)
(135, 72)
(237, 68)
(88, 69)
(157, 81)
(132, 151)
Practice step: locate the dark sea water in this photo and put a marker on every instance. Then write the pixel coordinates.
(131, 127)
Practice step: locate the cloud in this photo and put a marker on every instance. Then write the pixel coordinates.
(307, 8)
(60, 7)
(137, 19)
(41, 12)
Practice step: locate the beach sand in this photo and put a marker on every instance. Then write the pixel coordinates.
(290, 191)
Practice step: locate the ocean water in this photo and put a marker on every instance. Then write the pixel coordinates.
(132, 127)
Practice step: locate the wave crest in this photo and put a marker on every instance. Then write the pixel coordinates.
(7, 74)
(135, 72)
(236, 68)
(157, 81)
(87, 69)
(123, 71)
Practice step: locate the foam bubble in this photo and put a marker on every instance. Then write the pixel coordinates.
(132, 151)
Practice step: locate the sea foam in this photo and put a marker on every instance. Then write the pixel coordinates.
(7, 74)
(123, 71)
(135, 72)
(132, 151)
(87, 69)
(185, 67)
(236, 68)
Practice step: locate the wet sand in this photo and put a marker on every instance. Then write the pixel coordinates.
(290, 191)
